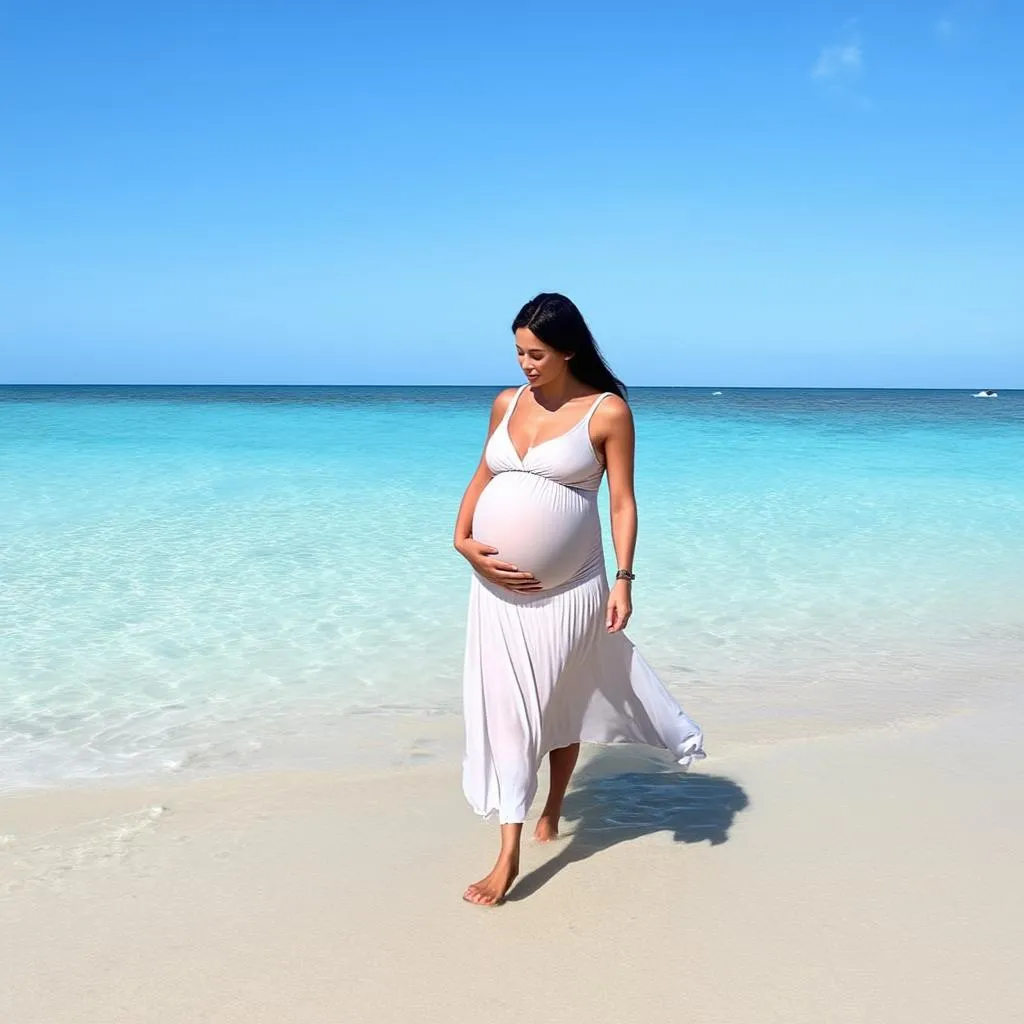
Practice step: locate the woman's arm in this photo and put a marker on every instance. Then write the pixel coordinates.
(482, 476)
(615, 432)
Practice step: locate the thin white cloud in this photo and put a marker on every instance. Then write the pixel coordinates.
(840, 67)
(839, 63)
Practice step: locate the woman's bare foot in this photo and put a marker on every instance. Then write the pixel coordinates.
(547, 828)
(490, 891)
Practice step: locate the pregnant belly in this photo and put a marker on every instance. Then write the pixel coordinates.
(539, 526)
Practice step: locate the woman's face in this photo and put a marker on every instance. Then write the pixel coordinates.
(540, 363)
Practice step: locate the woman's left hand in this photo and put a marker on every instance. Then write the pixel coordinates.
(620, 607)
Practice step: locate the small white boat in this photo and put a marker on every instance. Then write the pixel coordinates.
(716, 392)
(985, 394)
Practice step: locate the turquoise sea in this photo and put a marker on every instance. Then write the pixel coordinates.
(211, 579)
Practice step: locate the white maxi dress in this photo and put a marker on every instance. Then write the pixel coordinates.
(541, 670)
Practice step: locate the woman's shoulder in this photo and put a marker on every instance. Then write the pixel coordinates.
(503, 398)
(612, 416)
(613, 407)
(500, 405)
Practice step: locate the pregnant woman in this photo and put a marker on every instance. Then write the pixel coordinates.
(547, 664)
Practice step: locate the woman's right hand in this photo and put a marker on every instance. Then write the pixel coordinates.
(505, 574)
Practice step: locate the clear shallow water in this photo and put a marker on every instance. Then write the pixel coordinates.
(203, 579)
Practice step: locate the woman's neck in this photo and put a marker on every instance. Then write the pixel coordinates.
(556, 393)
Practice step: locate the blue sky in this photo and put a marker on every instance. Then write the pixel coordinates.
(800, 193)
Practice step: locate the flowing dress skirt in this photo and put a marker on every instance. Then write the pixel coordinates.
(543, 672)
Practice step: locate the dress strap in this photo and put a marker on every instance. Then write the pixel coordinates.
(512, 405)
(597, 401)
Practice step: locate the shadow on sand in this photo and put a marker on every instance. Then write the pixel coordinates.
(618, 798)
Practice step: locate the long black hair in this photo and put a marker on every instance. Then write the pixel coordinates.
(560, 325)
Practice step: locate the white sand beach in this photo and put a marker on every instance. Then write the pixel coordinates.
(866, 877)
